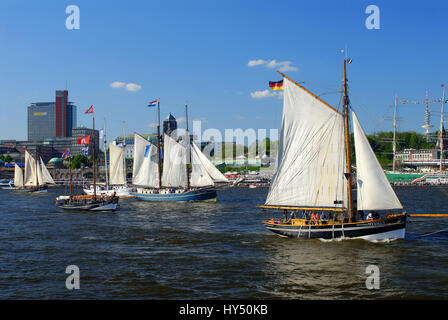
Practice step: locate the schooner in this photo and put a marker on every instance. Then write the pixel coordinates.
(175, 182)
(312, 185)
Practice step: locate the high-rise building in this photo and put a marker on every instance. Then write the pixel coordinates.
(51, 119)
(169, 125)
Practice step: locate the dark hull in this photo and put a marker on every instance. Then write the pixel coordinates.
(108, 205)
(375, 230)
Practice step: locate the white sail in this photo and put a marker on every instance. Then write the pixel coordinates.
(18, 176)
(374, 190)
(116, 171)
(174, 158)
(146, 168)
(311, 159)
(199, 175)
(30, 170)
(214, 173)
(45, 174)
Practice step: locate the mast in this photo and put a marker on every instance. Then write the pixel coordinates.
(37, 168)
(158, 144)
(93, 160)
(441, 129)
(394, 145)
(124, 155)
(70, 164)
(105, 153)
(187, 147)
(348, 173)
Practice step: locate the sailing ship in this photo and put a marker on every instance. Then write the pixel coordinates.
(312, 185)
(115, 176)
(94, 202)
(36, 178)
(175, 183)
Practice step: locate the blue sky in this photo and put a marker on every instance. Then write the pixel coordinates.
(199, 51)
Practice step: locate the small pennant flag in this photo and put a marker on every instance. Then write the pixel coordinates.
(90, 110)
(276, 85)
(84, 140)
(66, 154)
(85, 151)
(152, 103)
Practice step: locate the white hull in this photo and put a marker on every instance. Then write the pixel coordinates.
(107, 207)
(120, 191)
(390, 235)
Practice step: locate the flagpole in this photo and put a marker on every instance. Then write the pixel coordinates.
(158, 144)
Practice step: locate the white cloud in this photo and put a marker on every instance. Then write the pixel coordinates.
(253, 63)
(132, 87)
(153, 125)
(263, 94)
(117, 84)
(271, 64)
(127, 86)
(239, 118)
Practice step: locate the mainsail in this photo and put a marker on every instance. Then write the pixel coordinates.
(30, 170)
(146, 170)
(18, 176)
(174, 157)
(116, 170)
(45, 176)
(311, 161)
(374, 190)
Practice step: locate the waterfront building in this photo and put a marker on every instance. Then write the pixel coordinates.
(81, 132)
(425, 160)
(51, 119)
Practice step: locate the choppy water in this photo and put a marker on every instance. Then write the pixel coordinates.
(209, 251)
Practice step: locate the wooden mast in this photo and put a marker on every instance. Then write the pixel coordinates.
(187, 148)
(348, 173)
(158, 144)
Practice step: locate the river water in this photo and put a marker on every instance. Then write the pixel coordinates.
(210, 251)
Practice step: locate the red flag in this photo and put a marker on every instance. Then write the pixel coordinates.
(90, 110)
(84, 140)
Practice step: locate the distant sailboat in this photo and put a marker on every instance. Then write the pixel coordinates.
(312, 184)
(117, 180)
(174, 183)
(36, 178)
(116, 175)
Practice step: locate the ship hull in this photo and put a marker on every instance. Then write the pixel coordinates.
(201, 194)
(88, 205)
(375, 230)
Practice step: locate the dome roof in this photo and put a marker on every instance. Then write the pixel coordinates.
(54, 160)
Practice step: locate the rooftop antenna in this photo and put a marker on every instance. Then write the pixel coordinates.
(427, 126)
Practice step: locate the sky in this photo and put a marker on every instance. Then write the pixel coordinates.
(219, 57)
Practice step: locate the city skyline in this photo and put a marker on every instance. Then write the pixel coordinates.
(219, 58)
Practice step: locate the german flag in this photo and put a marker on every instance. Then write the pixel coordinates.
(276, 85)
